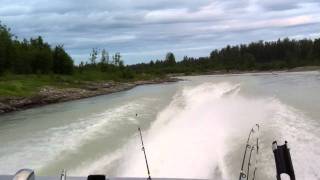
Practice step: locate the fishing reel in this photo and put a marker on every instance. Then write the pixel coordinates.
(243, 175)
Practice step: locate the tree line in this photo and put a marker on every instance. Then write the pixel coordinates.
(103, 62)
(35, 56)
(32, 56)
(273, 55)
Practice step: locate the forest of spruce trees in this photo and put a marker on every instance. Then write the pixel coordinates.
(274, 55)
(32, 56)
(35, 56)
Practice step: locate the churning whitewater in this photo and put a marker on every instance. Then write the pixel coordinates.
(192, 129)
(201, 134)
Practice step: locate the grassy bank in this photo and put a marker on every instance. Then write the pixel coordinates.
(12, 85)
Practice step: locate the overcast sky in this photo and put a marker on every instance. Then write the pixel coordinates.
(146, 29)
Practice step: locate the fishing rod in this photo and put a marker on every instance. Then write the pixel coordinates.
(63, 175)
(281, 153)
(257, 156)
(249, 163)
(248, 146)
(256, 146)
(145, 155)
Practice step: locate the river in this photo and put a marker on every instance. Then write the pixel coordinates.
(194, 128)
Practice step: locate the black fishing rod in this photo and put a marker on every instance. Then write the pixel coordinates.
(145, 155)
(248, 146)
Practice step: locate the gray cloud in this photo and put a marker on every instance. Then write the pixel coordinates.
(281, 5)
(143, 30)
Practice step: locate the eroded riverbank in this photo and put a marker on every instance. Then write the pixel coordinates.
(50, 95)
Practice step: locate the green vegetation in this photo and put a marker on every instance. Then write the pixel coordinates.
(275, 55)
(28, 85)
(16, 85)
(28, 65)
(32, 56)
